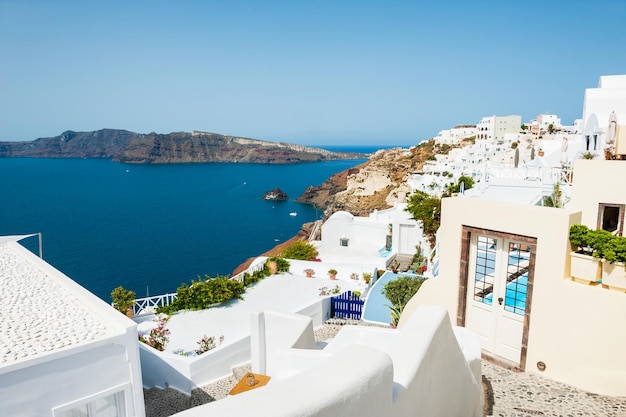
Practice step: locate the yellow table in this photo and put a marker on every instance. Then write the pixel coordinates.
(248, 382)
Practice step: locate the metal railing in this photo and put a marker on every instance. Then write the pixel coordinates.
(148, 305)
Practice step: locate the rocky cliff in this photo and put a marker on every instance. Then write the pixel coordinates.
(130, 147)
(376, 184)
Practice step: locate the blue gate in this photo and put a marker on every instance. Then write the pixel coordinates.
(346, 306)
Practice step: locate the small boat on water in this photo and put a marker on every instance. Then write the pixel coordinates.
(293, 213)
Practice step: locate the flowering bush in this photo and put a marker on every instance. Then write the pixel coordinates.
(159, 335)
(325, 291)
(208, 343)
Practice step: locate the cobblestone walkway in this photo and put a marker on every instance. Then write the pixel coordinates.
(518, 394)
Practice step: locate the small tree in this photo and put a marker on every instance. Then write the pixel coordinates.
(427, 209)
(123, 299)
(399, 292)
(300, 250)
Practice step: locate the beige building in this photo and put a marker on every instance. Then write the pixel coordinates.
(505, 274)
(494, 128)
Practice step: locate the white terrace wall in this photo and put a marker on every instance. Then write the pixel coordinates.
(75, 374)
(361, 231)
(576, 330)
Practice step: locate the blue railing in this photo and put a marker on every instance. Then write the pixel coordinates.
(346, 306)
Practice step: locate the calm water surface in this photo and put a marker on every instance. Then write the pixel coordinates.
(152, 227)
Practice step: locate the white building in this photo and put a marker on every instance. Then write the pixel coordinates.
(544, 123)
(455, 135)
(63, 351)
(508, 273)
(600, 102)
(495, 127)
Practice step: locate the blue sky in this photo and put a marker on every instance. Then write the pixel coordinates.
(310, 72)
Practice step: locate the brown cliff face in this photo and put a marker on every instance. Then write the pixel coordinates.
(374, 185)
(177, 147)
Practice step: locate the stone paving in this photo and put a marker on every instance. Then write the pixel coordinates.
(507, 393)
(518, 394)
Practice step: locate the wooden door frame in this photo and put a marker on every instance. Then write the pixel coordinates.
(466, 236)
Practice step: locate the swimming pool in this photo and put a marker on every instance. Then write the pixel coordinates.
(375, 309)
(515, 300)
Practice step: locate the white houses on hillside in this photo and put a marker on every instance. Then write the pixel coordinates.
(508, 272)
(63, 351)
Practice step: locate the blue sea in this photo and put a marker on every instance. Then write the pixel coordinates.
(150, 228)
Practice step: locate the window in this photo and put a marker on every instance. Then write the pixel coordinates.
(343, 241)
(611, 218)
(107, 405)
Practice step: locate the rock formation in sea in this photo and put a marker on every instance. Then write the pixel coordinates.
(276, 195)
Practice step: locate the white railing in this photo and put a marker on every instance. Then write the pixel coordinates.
(148, 305)
(251, 270)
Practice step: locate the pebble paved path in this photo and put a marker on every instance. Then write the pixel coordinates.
(507, 393)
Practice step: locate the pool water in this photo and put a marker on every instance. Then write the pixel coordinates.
(515, 301)
(376, 308)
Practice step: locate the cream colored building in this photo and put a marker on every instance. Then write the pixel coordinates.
(495, 127)
(505, 274)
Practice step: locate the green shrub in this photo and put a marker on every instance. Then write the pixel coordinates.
(402, 289)
(281, 264)
(123, 299)
(300, 250)
(578, 236)
(202, 293)
(399, 292)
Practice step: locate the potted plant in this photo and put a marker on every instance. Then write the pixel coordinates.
(612, 250)
(367, 277)
(584, 267)
(309, 272)
(540, 151)
(332, 273)
(123, 300)
(272, 265)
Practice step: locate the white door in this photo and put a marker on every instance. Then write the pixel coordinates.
(407, 239)
(496, 295)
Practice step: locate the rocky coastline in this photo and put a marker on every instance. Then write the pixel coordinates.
(376, 184)
(177, 147)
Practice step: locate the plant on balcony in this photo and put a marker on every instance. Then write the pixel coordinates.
(204, 293)
(208, 343)
(159, 335)
(332, 273)
(123, 300)
(276, 265)
(309, 272)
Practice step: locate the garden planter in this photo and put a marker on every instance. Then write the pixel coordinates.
(585, 268)
(614, 276)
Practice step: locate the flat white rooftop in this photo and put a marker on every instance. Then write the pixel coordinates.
(39, 313)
